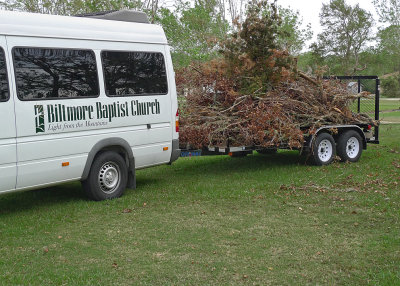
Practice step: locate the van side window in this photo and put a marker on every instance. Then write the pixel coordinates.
(134, 73)
(43, 73)
(4, 92)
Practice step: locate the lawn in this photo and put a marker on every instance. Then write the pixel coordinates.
(391, 117)
(387, 106)
(389, 109)
(261, 219)
(368, 105)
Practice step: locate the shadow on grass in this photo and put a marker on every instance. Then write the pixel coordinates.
(56, 195)
(60, 195)
(221, 165)
(147, 181)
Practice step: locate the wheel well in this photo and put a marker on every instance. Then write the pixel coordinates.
(117, 145)
(117, 149)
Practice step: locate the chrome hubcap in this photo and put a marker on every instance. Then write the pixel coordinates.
(109, 177)
(325, 150)
(352, 147)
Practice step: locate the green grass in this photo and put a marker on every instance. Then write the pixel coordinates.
(391, 119)
(385, 106)
(216, 220)
(389, 104)
(368, 105)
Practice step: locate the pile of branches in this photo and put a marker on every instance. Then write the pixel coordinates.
(255, 96)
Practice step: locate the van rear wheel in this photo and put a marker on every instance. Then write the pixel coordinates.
(107, 178)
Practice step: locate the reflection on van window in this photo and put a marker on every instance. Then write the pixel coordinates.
(134, 73)
(55, 73)
(3, 77)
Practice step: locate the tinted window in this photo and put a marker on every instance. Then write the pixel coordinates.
(55, 73)
(134, 73)
(3, 77)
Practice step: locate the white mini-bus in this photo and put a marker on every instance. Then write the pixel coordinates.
(84, 99)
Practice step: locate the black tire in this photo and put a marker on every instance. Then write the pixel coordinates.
(267, 151)
(349, 146)
(107, 178)
(323, 150)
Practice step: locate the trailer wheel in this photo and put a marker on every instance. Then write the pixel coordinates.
(107, 178)
(349, 146)
(323, 149)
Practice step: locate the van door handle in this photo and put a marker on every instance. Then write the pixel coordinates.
(148, 126)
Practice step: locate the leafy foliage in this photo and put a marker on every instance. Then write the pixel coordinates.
(70, 7)
(388, 11)
(346, 32)
(391, 86)
(389, 46)
(194, 28)
(251, 53)
(295, 36)
(193, 32)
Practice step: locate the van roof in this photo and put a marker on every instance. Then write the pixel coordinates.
(80, 28)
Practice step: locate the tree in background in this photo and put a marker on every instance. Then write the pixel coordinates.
(232, 10)
(59, 7)
(195, 28)
(389, 43)
(73, 7)
(295, 36)
(388, 11)
(389, 36)
(255, 47)
(193, 32)
(346, 30)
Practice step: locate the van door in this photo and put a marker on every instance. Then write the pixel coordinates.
(54, 87)
(8, 152)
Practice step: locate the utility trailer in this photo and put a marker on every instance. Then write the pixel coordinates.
(345, 141)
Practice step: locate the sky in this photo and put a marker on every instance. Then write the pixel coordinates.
(310, 9)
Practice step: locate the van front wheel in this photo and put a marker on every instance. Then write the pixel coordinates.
(107, 178)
